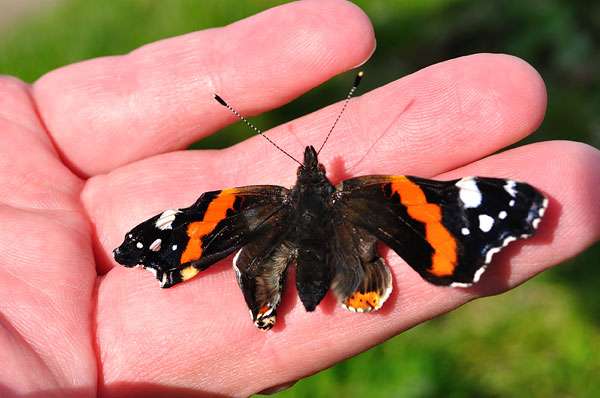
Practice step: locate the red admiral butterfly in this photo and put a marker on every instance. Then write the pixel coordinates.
(447, 231)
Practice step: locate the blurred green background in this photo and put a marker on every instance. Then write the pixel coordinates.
(540, 340)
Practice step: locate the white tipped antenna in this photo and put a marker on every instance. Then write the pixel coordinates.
(243, 119)
(357, 80)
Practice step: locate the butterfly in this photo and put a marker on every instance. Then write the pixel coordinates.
(447, 231)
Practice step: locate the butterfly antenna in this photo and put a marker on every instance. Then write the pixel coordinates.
(357, 80)
(253, 127)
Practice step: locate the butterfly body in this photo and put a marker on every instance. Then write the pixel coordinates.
(447, 231)
(310, 229)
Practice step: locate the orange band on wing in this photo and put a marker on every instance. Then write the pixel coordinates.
(412, 196)
(215, 213)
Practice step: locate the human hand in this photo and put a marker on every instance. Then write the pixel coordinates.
(92, 149)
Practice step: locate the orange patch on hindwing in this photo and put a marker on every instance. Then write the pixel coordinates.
(412, 196)
(215, 213)
(264, 309)
(363, 302)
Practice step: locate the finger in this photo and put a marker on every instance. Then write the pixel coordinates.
(31, 174)
(436, 119)
(46, 265)
(207, 316)
(47, 278)
(392, 141)
(110, 111)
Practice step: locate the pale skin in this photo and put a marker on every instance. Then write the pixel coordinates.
(91, 149)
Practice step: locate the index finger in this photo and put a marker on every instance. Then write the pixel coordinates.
(107, 112)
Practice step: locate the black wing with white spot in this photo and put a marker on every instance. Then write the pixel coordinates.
(491, 213)
(176, 244)
(447, 231)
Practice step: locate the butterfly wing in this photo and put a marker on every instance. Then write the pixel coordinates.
(178, 243)
(362, 281)
(260, 269)
(447, 231)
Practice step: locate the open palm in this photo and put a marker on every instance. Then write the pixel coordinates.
(91, 149)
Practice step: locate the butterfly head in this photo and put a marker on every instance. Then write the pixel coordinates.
(311, 169)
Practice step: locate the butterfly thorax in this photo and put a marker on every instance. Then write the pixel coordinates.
(310, 197)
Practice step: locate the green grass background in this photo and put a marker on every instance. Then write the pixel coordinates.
(539, 340)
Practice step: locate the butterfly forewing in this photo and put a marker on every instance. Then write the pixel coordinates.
(178, 243)
(447, 231)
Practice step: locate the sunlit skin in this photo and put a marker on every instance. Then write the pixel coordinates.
(93, 148)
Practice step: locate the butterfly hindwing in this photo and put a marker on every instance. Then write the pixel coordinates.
(447, 231)
(362, 281)
(178, 243)
(260, 269)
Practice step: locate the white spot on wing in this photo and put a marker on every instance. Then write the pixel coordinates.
(469, 192)
(352, 309)
(385, 296)
(165, 220)
(485, 222)
(139, 245)
(542, 210)
(236, 257)
(238, 274)
(465, 231)
(478, 274)
(511, 203)
(460, 284)
(174, 247)
(268, 313)
(476, 277)
(163, 280)
(266, 320)
(488, 259)
(510, 187)
(155, 246)
(490, 254)
(505, 242)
